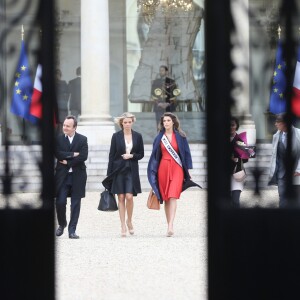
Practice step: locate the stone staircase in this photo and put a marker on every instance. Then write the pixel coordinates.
(26, 177)
(98, 159)
(262, 161)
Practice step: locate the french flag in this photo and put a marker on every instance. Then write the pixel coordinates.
(36, 100)
(296, 88)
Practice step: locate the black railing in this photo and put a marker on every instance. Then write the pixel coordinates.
(251, 252)
(27, 235)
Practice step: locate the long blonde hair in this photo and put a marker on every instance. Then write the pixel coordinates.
(119, 120)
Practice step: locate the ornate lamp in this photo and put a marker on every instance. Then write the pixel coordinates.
(149, 7)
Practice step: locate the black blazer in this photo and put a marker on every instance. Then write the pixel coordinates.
(116, 161)
(65, 151)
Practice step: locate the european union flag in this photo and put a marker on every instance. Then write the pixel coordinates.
(22, 92)
(277, 98)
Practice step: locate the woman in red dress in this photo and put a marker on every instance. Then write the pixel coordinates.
(169, 165)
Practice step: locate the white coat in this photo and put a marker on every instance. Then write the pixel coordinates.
(295, 153)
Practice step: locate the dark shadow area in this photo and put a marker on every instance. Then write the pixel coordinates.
(252, 253)
(27, 261)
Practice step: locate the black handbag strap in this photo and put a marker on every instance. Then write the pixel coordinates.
(242, 166)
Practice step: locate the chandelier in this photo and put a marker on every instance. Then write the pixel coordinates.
(149, 7)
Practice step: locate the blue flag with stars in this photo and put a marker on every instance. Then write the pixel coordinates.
(277, 98)
(22, 91)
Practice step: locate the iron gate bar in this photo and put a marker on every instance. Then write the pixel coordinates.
(49, 103)
(27, 260)
(252, 253)
(288, 14)
(218, 68)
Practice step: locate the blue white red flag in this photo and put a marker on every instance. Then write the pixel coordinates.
(296, 88)
(22, 91)
(36, 100)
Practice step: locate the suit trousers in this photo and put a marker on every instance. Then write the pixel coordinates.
(61, 203)
(297, 195)
(283, 201)
(235, 198)
(281, 192)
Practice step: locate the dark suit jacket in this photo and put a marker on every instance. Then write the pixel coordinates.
(183, 151)
(116, 161)
(75, 91)
(65, 151)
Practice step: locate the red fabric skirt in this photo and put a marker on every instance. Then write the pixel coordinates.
(170, 174)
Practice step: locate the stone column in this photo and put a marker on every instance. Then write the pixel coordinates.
(95, 121)
(240, 74)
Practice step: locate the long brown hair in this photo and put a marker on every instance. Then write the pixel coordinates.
(175, 120)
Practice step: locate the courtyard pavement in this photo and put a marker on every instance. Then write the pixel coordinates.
(102, 265)
(147, 265)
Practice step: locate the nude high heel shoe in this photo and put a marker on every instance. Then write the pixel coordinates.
(130, 229)
(170, 233)
(123, 232)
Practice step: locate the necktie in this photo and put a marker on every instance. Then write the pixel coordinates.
(68, 140)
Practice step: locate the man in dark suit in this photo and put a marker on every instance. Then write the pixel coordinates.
(278, 160)
(70, 174)
(162, 93)
(75, 94)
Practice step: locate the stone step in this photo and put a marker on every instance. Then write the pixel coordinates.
(25, 169)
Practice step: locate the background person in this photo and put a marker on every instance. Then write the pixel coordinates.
(62, 94)
(70, 175)
(166, 101)
(236, 163)
(277, 165)
(74, 88)
(126, 149)
(165, 174)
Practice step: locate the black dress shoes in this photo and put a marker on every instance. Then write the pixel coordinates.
(60, 230)
(73, 236)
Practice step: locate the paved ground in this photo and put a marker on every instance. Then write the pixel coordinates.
(101, 265)
(148, 265)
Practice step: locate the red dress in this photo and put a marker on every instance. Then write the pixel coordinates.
(170, 174)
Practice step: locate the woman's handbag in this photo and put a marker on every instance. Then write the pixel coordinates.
(153, 202)
(107, 201)
(240, 175)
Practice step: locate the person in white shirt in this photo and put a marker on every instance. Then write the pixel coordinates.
(71, 152)
(123, 179)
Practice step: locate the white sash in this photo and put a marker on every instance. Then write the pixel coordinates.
(171, 150)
